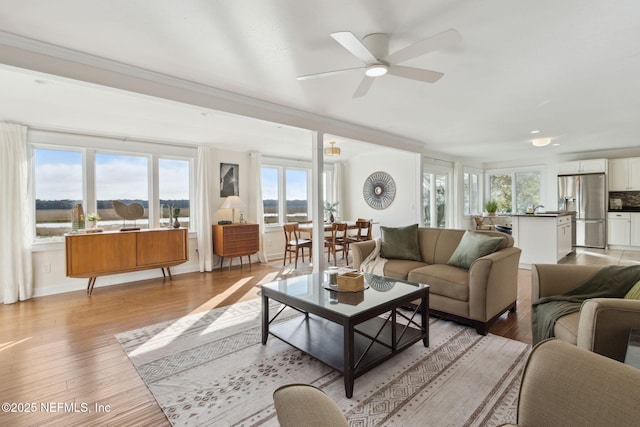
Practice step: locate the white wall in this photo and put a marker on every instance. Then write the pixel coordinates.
(404, 168)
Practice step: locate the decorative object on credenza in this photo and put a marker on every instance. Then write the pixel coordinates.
(77, 218)
(93, 219)
(379, 190)
(176, 213)
(224, 222)
(130, 212)
(331, 208)
(232, 202)
(229, 180)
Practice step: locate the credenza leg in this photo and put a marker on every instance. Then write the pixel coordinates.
(92, 282)
(163, 274)
(169, 273)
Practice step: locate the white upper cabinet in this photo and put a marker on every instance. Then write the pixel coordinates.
(582, 166)
(624, 174)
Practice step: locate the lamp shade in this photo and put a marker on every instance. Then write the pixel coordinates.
(333, 150)
(232, 202)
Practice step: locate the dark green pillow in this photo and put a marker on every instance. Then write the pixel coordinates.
(473, 246)
(400, 243)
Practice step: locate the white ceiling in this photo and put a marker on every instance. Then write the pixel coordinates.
(567, 68)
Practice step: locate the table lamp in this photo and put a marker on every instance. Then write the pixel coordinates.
(232, 202)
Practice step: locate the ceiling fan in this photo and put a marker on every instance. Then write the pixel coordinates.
(373, 50)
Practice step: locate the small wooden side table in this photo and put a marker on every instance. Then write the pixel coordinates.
(235, 240)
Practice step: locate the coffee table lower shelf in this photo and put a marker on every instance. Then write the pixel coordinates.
(324, 340)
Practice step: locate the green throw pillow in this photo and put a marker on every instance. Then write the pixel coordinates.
(473, 246)
(400, 243)
(634, 293)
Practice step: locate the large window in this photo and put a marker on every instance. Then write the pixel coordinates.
(516, 190)
(58, 187)
(173, 189)
(435, 195)
(124, 179)
(94, 178)
(285, 193)
(472, 192)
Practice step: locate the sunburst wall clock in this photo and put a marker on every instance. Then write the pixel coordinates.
(379, 190)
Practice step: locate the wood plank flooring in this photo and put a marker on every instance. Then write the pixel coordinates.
(62, 349)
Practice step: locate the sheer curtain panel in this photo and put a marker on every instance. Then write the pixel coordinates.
(204, 187)
(16, 221)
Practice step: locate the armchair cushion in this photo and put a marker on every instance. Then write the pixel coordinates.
(400, 243)
(305, 405)
(473, 246)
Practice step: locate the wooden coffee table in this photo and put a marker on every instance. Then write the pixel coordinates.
(352, 332)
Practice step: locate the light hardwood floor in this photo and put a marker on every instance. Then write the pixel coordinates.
(62, 348)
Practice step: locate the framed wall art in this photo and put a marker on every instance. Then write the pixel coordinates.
(379, 190)
(229, 174)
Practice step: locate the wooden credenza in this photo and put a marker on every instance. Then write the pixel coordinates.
(235, 240)
(99, 254)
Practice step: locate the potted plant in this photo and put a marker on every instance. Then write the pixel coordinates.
(93, 218)
(331, 208)
(491, 206)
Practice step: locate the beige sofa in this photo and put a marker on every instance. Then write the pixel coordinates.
(477, 296)
(602, 325)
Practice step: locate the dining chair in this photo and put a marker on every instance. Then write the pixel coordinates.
(362, 231)
(293, 243)
(337, 240)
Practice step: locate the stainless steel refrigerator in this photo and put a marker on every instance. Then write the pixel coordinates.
(586, 195)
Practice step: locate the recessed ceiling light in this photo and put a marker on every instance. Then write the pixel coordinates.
(555, 144)
(535, 131)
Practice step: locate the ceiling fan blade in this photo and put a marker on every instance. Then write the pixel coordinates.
(364, 86)
(427, 76)
(327, 73)
(439, 41)
(350, 42)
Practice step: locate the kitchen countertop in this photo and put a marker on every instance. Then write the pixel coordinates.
(553, 214)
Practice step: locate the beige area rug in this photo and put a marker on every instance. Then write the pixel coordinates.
(210, 369)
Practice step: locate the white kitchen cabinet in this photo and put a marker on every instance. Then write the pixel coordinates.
(564, 237)
(619, 228)
(582, 166)
(542, 239)
(624, 174)
(634, 239)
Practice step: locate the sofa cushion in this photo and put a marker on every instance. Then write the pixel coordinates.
(400, 268)
(400, 243)
(445, 280)
(473, 246)
(566, 328)
(634, 292)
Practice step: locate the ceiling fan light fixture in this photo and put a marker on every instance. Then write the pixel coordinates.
(376, 70)
(333, 150)
(541, 142)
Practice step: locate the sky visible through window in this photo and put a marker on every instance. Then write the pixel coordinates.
(59, 176)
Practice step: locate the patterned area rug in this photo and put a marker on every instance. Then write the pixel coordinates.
(211, 369)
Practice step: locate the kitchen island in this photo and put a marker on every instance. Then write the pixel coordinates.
(544, 238)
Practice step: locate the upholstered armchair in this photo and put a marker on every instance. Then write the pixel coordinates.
(563, 385)
(305, 405)
(602, 325)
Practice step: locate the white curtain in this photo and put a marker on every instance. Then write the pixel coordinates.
(256, 214)
(16, 222)
(204, 188)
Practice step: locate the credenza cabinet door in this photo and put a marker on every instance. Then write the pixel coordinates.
(161, 247)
